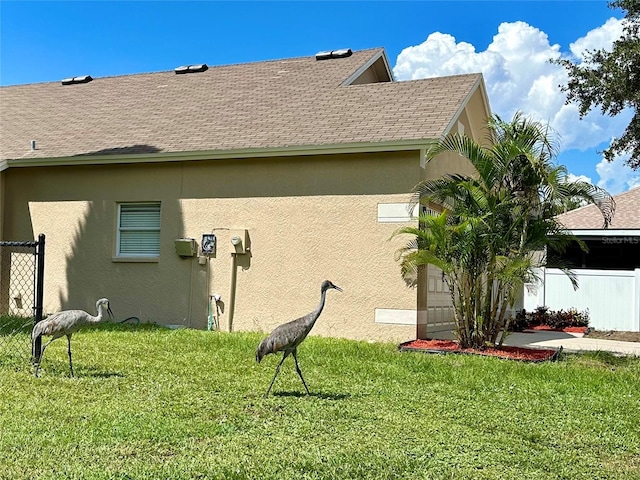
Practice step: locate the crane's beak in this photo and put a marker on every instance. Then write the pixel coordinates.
(337, 288)
(110, 312)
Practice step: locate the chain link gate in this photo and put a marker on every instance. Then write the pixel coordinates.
(21, 296)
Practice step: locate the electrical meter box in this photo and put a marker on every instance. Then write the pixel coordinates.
(240, 240)
(208, 244)
(186, 247)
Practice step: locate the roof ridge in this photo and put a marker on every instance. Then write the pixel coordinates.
(224, 65)
(448, 77)
(634, 189)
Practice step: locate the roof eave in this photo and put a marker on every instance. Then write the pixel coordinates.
(479, 84)
(601, 232)
(288, 151)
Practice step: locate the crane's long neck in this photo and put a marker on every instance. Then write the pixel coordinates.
(316, 313)
(100, 315)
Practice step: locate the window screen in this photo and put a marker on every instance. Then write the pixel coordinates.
(138, 230)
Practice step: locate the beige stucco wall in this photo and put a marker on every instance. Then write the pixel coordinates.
(477, 111)
(308, 219)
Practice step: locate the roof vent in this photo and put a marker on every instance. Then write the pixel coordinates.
(201, 67)
(74, 80)
(342, 53)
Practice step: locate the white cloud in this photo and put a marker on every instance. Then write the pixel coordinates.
(519, 76)
(615, 176)
(599, 38)
(440, 55)
(578, 178)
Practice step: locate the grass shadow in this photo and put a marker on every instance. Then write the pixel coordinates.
(94, 371)
(125, 326)
(53, 372)
(323, 396)
(56, 367)
(105, 375)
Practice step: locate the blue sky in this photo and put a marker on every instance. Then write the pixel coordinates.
(509, 41)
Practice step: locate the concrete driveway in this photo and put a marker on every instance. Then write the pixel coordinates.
(570, 342)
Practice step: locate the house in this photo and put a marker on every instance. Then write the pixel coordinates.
(617, 247)
(608, 272)
(223, 196)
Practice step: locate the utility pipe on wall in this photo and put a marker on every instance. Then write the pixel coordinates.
(232, 290)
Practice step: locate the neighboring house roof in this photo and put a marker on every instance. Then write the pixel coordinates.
(298, 103)
(627, 214)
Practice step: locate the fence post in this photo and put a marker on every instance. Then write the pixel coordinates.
(38, 307)
(636, 299)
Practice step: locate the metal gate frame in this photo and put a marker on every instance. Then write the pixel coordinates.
(38, 278)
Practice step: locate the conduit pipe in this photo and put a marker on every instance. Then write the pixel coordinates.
(232, 290)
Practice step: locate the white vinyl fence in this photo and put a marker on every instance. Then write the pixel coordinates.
(611, 296)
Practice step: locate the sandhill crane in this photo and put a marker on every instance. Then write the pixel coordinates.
(66, 323)
(289, 335)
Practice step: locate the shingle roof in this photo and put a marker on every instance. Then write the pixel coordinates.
(261, 105)
(627, 214)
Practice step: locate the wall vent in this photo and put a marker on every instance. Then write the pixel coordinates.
(74, 80)
(201, 67)
(342, 53)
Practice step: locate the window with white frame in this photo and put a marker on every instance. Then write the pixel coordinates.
(138, 230)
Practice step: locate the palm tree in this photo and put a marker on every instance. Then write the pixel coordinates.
(495, 226)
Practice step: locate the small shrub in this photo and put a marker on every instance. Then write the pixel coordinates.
(540, 316)
(520, 321)
(555, 319)
(568, 318)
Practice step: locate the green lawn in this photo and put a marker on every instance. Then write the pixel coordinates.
(149, 402)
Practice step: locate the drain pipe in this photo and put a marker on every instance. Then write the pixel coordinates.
(213, 320)
(232, 290)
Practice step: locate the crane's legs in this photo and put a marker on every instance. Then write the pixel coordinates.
(39, 359)
(69, 351)
(274, 377)
(295, 357)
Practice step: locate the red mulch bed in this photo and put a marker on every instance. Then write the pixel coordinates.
(565, 329)
(510, 353)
